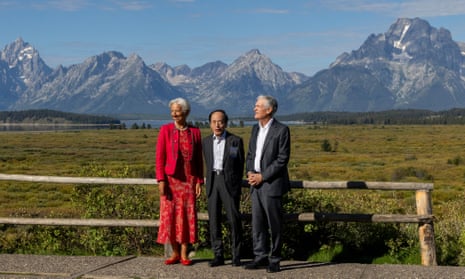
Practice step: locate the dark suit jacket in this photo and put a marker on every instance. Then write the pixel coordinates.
(275, 157)
(233, 163)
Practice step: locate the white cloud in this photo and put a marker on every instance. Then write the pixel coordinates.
(64, 5)
(133, 5)
(270, 11)
(432, 8)
(7, 4)
(77, 5)
(409, 8)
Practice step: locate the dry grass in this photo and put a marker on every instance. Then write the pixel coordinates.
(371, 153)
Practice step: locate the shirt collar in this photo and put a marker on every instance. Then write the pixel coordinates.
(267, 125)
(223, 136)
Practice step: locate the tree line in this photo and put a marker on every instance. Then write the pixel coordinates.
(389, 117)
(53, 116)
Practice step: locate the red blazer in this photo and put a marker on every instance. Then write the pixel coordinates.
(168, 149)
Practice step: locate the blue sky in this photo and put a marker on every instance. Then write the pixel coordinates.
(299, 35)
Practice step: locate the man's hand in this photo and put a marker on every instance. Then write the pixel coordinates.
(254, 179)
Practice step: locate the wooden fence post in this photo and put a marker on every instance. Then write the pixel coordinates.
(426, 230)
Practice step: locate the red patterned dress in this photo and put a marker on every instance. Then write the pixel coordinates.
(178, 218)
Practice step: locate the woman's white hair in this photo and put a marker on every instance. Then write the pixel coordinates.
(185, 106)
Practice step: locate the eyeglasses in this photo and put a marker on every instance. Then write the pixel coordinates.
(214, 122)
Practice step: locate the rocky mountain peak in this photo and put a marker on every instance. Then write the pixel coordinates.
(253, 58)
(25, 60)
(400, 29)
(109, 63)
(408, 41)
(256, 65)
(182, 70)
(17, 51)
(170, 74)
(209, 70)
(104, 58)
(163, 69)
(413, 64)
(417, 41)
(253, 53)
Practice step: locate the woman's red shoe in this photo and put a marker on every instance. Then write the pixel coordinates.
(170, 261)
(186, 262)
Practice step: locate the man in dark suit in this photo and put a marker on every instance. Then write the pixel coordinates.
(224, 160)
(267, 174)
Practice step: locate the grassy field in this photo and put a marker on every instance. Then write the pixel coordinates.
(325, 153)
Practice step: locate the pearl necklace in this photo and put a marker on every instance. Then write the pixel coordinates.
(181, 128)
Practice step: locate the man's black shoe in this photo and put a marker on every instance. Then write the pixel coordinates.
(256, 264)
(236, 262)
(217, 261)
(273, 267)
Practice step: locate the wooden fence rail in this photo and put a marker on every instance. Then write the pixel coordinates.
(424, 217)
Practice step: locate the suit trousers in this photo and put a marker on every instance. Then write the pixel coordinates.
(220, 197)
(267, 219)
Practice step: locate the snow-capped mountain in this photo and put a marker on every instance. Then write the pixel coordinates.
(412, 65)
(106, 83)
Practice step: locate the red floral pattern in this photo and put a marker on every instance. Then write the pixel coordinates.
(178, 218)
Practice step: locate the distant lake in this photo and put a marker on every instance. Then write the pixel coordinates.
(152, 123)
(69, 127)
(49, 127)
(158, 123)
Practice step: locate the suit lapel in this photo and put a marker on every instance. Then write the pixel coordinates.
(227, 144)
(209, 152)
(255, 135)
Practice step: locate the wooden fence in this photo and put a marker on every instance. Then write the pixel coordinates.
(423, 218)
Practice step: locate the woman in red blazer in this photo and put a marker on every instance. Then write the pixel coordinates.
(179, 172)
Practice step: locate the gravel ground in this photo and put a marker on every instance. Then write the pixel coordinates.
(36, 266)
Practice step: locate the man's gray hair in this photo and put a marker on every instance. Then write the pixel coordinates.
(270, 102)
(186, 107)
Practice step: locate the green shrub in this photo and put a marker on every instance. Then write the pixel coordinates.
(403, 172)
(449, 229)
(327, 147)
(93, 201)
(457, 160)
(115, 202)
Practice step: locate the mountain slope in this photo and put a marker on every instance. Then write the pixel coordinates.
(411, 66)
(417, 65)
(235, 86)
(106, 83)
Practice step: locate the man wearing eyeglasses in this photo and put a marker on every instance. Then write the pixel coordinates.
(224, 160)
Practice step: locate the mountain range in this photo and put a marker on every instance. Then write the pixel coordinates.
(411, 66)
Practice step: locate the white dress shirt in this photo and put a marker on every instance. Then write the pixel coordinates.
(262, 132)
(218, 151)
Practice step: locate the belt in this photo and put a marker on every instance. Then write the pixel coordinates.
(218, 172)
